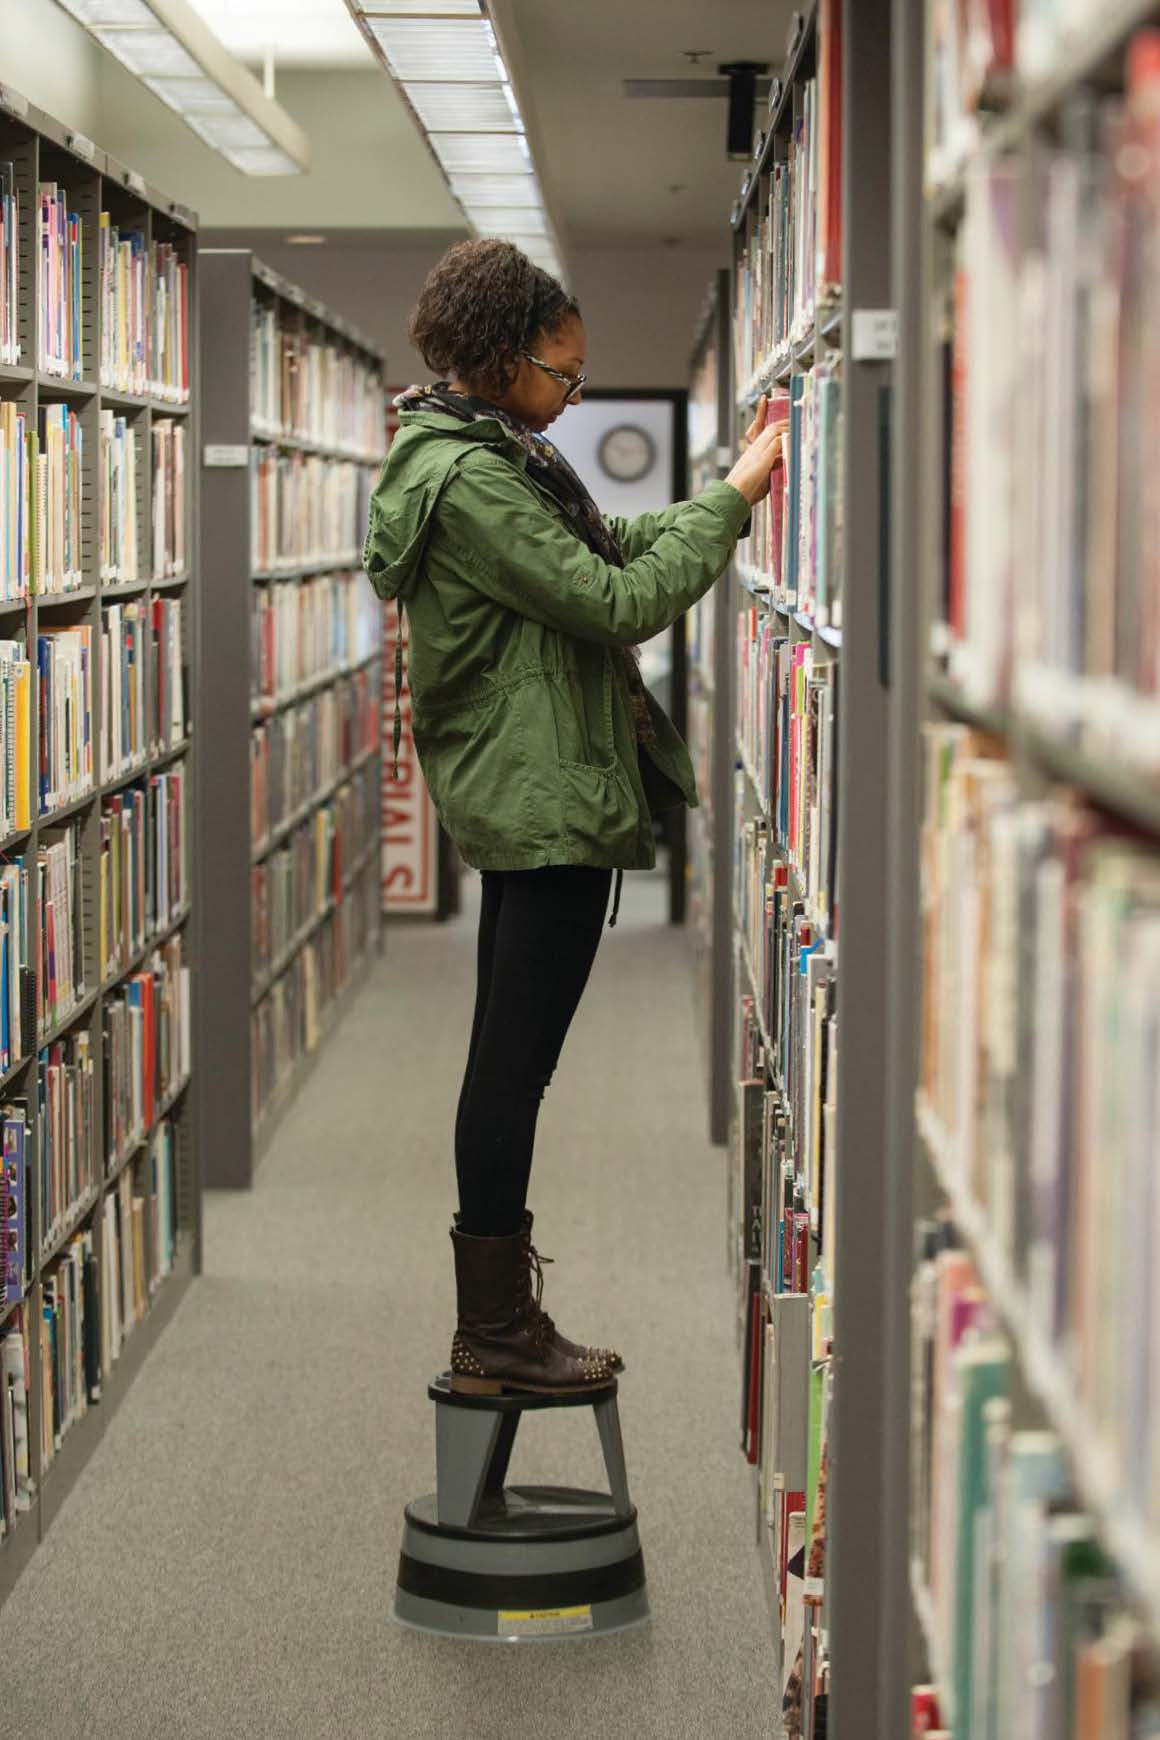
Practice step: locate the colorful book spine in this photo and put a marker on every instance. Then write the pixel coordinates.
(169, 500)
(60, 959)
(67, 1128)
(58, 501)
(124, 291)
(124, 710)
(304, 509)
(17, 501)
(118, 493)
(60, 284)
(9, 264)
(307, 388)
(168, 337)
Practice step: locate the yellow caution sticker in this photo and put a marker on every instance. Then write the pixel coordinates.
(544, 1621)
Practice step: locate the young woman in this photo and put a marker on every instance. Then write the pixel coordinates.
(545, 756)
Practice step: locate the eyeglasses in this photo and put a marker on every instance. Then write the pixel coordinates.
(574, 383)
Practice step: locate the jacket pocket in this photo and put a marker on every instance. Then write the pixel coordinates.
(599, 809)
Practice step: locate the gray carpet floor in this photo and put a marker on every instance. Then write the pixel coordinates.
(225, 1565)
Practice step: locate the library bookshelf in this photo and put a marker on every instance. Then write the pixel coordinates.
(294, 433)
(101, 1193)
(797, 861)
(1025, 837)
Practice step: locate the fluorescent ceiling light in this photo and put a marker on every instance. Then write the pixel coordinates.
(149, 53)
(478, 190)
(296, 32)
(503, 220)
(479, 154)
(444, 56)
(167, 45)
(439, 49)
(462, 108)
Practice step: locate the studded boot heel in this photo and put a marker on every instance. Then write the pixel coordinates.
(499, 1343)
(577, 1350)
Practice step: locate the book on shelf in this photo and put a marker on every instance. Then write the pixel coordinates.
(166, 696)
(169, 324)
(67, 1127)
(118, 494)
(142, 870)
(60, 235)
(68, 1345)
(169, 508)
(15, 1201)
(161, 1185)
(147, 1045)
(306, 387)
(60, 962)
(64, 689)
(58, 502)
(1029, 1624)
(15, 1389)
(124, 713)
(1049, 595)
(15, 737)
(302, 631)
(1039, 1072)
(124, 310)
(17, 980)
(303, 508)
(18, 497)
(9, 264)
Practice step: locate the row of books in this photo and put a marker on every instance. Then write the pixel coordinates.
(65, 715)
(139, 1238)
(42, 500)
(308, 388)
(60, 284)
(295, 754)
(302, 630)
(796, 550)
(143, 314)
(9, 264)
(781, 1257)
(15, 1201)
(147, 1045)
(118, 557)
(787, 721)
(286, 1025)
(142, 681)
(303, 509)
(1041, 932)
(61, 966)
(790, 259)
(1029, 1627)
(1050, 598)
(17, 991)
(169, 505)
(87, 1307)
(296, 883)
(143, 872)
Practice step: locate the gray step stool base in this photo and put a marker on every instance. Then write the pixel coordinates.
(523, 1564)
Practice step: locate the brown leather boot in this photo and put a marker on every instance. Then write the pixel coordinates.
(577, 1350)
(499, 1344)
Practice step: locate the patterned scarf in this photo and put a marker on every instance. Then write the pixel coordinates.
(548, 467)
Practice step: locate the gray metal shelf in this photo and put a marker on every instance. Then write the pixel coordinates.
(230, 281)
(40, 147)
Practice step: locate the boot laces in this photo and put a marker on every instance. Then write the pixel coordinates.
(542, 1326)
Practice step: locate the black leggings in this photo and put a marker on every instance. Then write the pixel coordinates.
(538, 934)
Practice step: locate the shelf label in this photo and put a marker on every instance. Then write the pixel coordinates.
(13, 101)
(226, 455)
(135, 183)
(875, 334)
(82, 147)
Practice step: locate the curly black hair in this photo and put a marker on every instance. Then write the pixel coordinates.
(480, 306)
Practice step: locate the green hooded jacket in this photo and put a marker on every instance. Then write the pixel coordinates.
(521, 715)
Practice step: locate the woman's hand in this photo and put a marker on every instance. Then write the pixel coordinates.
(762, 449)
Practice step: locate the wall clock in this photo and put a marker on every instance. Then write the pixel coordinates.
(626, 453)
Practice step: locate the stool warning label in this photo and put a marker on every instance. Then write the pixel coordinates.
(543, 1621)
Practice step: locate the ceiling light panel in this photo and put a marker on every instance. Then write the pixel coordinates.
(439, 49)
(477, 190)
(428, 9)
(149, 53)
(481, 154)
(169, 46)
(462, 108)
(509, 221)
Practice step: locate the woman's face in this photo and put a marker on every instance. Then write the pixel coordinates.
(536, 397)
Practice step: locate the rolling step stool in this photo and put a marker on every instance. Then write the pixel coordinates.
(521, 1563)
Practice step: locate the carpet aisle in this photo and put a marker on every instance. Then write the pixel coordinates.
(225, 1565)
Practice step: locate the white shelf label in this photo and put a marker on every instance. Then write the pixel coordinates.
(226, 455)
(13, 101)
(875, 334)
(82, 147)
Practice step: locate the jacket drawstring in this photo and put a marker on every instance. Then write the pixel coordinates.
(616, 898)
(398, 728)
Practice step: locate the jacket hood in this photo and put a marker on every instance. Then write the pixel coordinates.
(422, 457)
